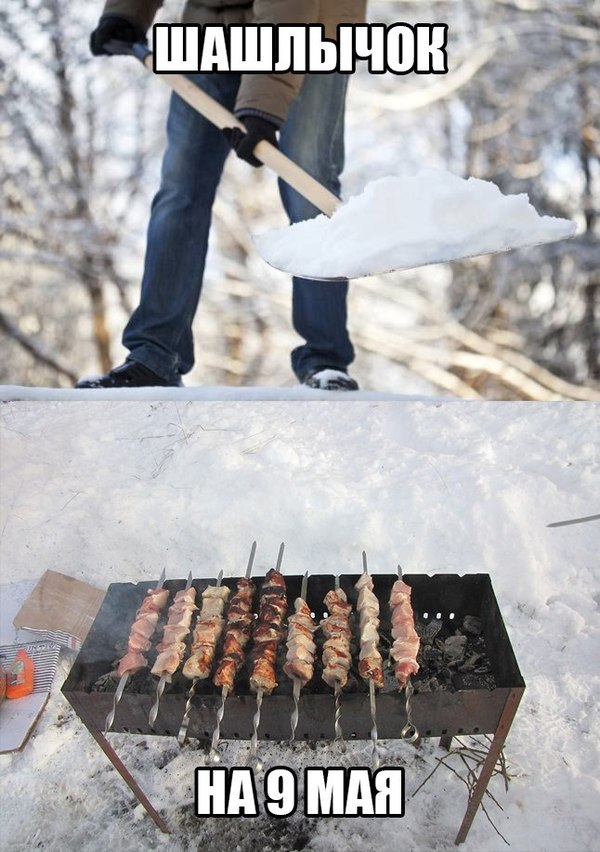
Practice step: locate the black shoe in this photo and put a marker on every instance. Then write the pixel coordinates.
(131, 374)
(330, 378)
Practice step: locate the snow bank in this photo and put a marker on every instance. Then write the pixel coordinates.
(403, 222)
(216, 393)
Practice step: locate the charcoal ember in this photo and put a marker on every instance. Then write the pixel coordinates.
(445, 679)
(469, 665)
(454, 649)
(428, 631)
(471, 680)
(106, 683)
(429, 684)
(384, 642)
(431, 656)
(473, 625)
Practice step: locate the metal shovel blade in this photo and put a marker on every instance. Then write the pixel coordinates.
(384, 269)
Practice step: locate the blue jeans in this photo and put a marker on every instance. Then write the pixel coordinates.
(159, 333)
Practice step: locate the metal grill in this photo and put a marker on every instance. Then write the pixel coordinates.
(474, 709)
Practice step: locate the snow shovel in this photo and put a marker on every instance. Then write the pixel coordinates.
(395, 224)
(297, 178)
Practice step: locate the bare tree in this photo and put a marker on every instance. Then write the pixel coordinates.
(67, 187)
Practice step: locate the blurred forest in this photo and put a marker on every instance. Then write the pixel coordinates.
(80, 147)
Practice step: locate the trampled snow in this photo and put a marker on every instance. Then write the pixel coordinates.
(116, 490)
(404, 222)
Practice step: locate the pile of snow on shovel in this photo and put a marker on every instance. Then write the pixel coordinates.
(405, 222)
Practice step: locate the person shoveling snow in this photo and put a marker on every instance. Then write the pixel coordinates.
(427, 219)
(306, 110)
(404, 222)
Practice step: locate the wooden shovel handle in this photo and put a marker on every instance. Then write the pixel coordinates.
(292, 174)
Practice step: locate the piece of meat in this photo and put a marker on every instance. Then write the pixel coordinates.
(154, 601)
(369, 632)
(138, 644)
(186, 596)
(367, 598)
(226, 672)
(300, 640)
(337, 602)
(141, 631)
(212, 607)
(220, 592)
(199, 664)
(172, 634)
(177, 647)
(406, 640)
(336, 655)
(145, 624)
(207, 631)
(336, 675)
(263, 675)
(172, 646)
(238, 629)
(400, 593)
(368, 613)
(300, 669)
(131, 663)
(267, 633)
(403, 670)
(167, 662)
(370, 665)
(370, 668)
(365, 581)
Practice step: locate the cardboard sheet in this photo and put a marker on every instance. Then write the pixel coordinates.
(61, 609)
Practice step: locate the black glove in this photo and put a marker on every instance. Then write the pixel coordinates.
(257, 128)
(114, 28)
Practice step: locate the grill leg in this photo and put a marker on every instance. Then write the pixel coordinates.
(128, 778)
(508, 714)
(446, 742)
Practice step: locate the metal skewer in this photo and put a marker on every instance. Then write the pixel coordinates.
(185, 722)
(124, 678)
(337, 726)
(253, 759)
(160, 686)
(297, 681)
(409, 732)
(339, 736)
(279, 556)
(374, 738)
(117, 697)
(214, 755)
(375, 761)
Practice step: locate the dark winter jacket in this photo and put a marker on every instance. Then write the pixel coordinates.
(271, 94)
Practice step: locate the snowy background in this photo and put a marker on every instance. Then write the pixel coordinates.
(116, 491)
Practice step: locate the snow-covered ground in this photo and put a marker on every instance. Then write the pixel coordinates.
(113, 490)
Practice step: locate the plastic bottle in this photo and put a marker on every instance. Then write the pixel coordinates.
(2, 679)
(19, 681)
